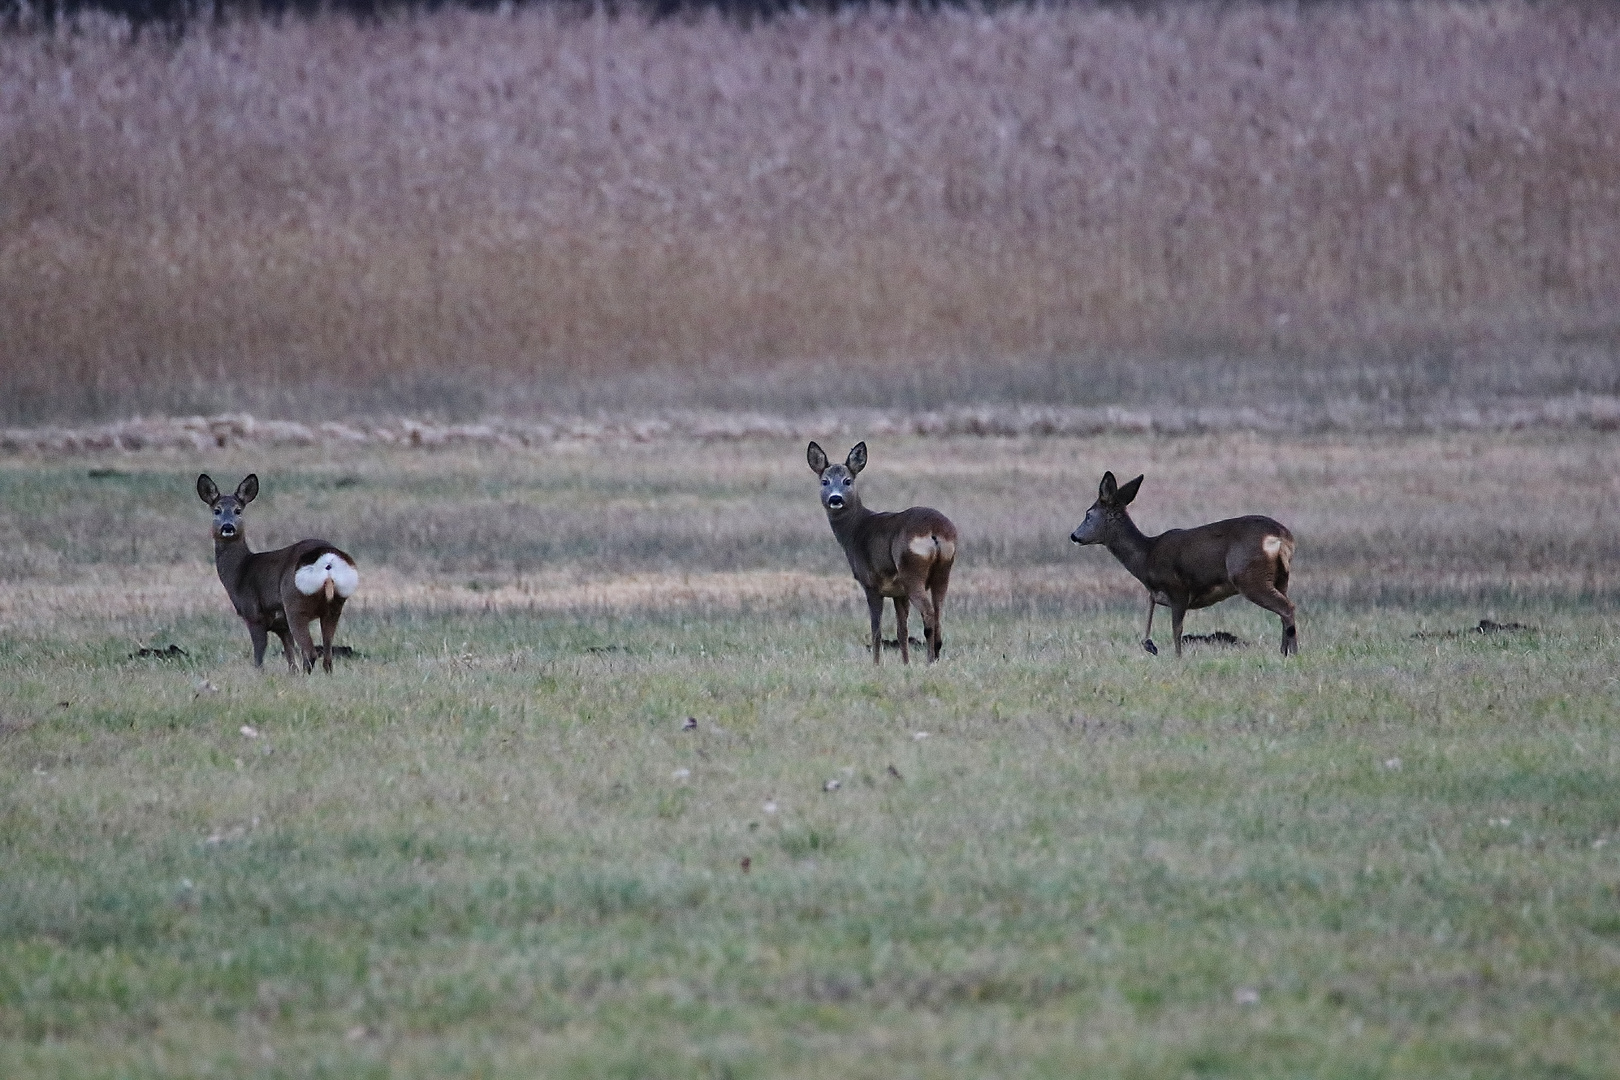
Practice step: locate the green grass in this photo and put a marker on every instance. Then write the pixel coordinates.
(470, 853)
(487, 848)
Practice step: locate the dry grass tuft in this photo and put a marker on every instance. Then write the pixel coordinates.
(674, 527)
(198, 434)
(317, 217)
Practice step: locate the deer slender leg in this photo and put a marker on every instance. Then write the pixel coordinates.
(261, 638)
(874, 605)
(1272, 599)
(287, 648)
(902, 609)
(329, 621)
(1290, 634)
(937, 584)
(1178, 612)
(930, 619)
(306, 644)
(1147, 635)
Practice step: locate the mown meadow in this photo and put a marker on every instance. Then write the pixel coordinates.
(490, 846)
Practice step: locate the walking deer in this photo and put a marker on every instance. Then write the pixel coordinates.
(1194, 568)
(283, 590)
(905, 556)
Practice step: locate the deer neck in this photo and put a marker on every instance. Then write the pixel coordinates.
(1131, 547)
(230, 558)
(847, 521)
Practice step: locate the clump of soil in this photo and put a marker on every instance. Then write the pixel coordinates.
(1485, 626)
(339, 652)
(170, 652)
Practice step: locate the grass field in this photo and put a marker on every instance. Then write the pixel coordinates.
(486, 846)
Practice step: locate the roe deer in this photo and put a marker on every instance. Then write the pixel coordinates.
(282, 590)
(1194, 568)
(906, 555)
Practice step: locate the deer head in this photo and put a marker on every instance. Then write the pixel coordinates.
(838, 481)
(1107, 514)
(228, 509)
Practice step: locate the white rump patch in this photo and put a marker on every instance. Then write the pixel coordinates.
(922, 545)
(1271, 545)
(329, 567)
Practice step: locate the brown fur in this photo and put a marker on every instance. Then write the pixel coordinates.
(260, 584)
(905, 556)
(1185, 569)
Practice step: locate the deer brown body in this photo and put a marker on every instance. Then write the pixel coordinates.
(1185, 569)
(280, 591)
(905, 556)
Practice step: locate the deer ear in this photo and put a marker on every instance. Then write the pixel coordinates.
(817, 457)
(207, 490)
(248, 489)
(1128, 492)
(1106, 489)
(856, 460)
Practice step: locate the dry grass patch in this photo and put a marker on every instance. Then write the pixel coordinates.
(527, 210)
(671, 523)
(164, 595)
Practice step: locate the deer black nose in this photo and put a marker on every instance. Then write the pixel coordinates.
(835, 501)
(227, 530)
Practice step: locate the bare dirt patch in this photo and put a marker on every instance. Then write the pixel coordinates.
(1484, 626)
(169, 652)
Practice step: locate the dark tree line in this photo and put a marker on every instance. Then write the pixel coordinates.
(178, 15)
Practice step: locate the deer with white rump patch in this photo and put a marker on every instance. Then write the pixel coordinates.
(905, 556)
(1194, 568)
(283, 590)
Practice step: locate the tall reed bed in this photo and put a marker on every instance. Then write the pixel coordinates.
(477, 211)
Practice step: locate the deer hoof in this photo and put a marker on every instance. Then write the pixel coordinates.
(1152, 649)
